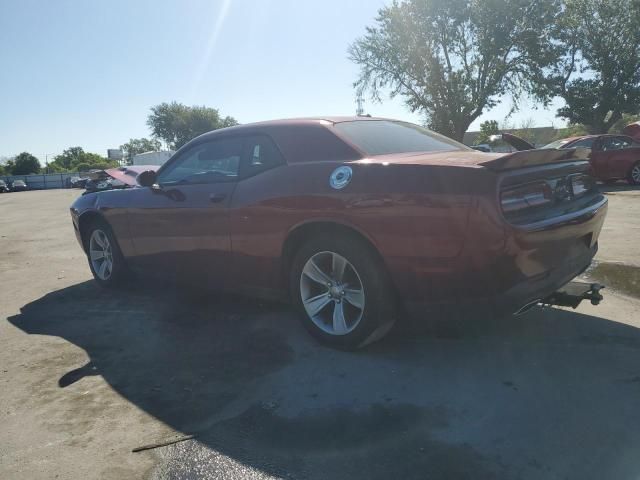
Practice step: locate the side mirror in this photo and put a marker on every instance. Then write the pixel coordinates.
(146, 178)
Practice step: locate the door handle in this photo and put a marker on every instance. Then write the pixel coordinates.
(217, 197)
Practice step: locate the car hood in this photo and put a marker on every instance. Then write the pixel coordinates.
(128, 175)
(632, 130)
(516, 142)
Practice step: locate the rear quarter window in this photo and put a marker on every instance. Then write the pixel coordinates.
(311, 143)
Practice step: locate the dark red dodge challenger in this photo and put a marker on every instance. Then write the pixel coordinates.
(356, 220)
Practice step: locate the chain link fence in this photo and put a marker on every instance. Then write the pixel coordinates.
(43, 181)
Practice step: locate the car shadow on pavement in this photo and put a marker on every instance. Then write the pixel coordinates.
(529, 397)
(620, 186)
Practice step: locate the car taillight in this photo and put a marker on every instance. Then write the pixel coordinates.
(526, 196)
(581, 184)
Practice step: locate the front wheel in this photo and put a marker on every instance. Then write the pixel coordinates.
(634, 174)
(342, 291)
(105, 259)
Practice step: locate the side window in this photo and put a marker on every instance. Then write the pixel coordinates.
(261, 154)
(626, 142)
(208, 162)
(612, 143)
(586, 143)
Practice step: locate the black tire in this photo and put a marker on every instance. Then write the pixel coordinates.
(119, 271)
(634, 173)
(379, 312)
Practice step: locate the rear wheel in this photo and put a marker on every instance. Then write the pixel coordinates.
(634, 174)
(105, 259)
(342, 291)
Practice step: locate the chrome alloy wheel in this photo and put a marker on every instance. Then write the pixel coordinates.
(332, 293)
(635, 174)
(101, 254)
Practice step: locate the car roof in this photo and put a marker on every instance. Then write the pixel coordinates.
(290, 122)
(307, 120)
(292, 135)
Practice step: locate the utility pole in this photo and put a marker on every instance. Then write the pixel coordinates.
(360, 104)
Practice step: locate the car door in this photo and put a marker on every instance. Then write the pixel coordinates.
(180, 226)
(624, 157)
(600, 154)
(611, 157)
(258, 222)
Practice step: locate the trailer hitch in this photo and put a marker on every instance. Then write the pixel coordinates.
(573, 293)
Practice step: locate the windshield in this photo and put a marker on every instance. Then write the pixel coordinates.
(557, 144)
(382, 137)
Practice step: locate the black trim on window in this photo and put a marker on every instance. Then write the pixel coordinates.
(248, 170)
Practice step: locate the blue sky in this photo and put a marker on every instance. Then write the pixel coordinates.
(86, 73)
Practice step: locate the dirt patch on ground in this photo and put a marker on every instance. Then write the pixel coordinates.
(617, 276)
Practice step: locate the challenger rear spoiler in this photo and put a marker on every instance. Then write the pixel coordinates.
(531, 158)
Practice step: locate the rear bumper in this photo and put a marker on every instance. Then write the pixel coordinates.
(534, 262)
(512, 300)
(543, 285)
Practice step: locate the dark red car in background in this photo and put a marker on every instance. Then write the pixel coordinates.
(355, 220)
(613, 157)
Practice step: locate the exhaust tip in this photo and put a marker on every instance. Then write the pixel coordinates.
(527, 306)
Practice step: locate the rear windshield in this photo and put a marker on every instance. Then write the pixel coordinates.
(381, 137)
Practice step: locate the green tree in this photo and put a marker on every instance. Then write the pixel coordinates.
(4, 165)
(526, 130)
(572, 130)
(487, 128)
(139, 145)
(176, 124)
(598, 71)
(25, 164)
(452, 59)
(76, 159)
(8, 166)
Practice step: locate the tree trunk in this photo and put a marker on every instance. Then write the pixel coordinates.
(600, 125)
(596, 128)
(615, 116)
(461, 129)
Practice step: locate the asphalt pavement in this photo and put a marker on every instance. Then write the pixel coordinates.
(88, 375)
